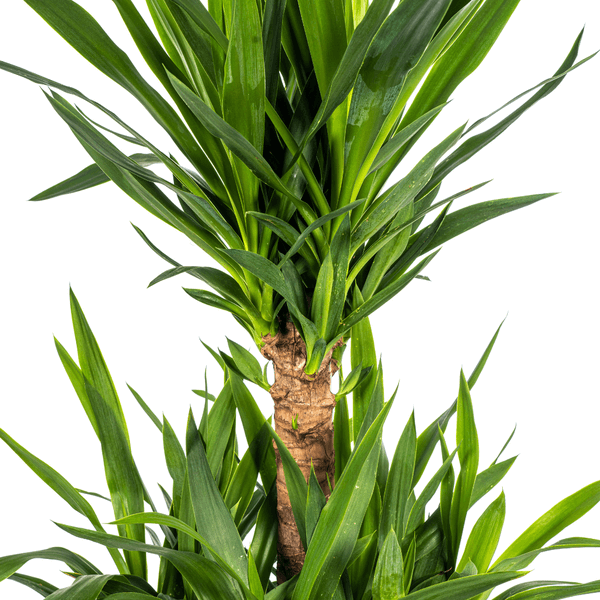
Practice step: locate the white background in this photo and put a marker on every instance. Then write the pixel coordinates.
(538, 265)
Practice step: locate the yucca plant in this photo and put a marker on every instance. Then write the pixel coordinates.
(292, 118)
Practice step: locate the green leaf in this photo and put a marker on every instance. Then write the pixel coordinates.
(146, 408)
(551, 523)
(469, 217)
(206, 578)
(396, 49)
(462, 57)
(247, 364)
(342, 435)
(326, 35)
(234, 140)
(559, 592)
(221, 421)
(446, 494)
(83, 32)
(338, 527)
(465, 587)
(417, 512)
(355, 378)
(398, 140)
(315, 502)
(381, 297)
(484, 537)
(362, 352)
(401, 194)
(330, 290)
(34, 583)
(296, 486)
(264, 542)
(88, 178)
(523, 560)
(176, 462)
(488, 479)
(468, 454)
(398, 487)
(316, 225)
(388, 583)
(63, 488)
(11, 564)
(213, 519)
(350, 64)
(474, 144)
(204, 20)
(243, 96)
(86, 587)
(253, 420)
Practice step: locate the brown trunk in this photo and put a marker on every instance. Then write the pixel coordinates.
(303, 420)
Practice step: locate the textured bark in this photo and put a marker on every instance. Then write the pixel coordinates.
(309, 402)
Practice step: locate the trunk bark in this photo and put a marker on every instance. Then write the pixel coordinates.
(303, 420)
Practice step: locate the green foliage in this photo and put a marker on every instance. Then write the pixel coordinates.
(292, 116)
(371, 539)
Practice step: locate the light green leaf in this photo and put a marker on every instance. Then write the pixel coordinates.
(484, 537)
(388, 583)
(468, 454)
(399, 485)
(552, 522)
(213, 519)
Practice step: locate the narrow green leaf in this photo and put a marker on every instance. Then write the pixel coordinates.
(523, 560)
(462, 57)
(34, 583)
(362, 352)
(400, 138)
(330, 290)
(399, 485)
(213, 519)
(559, 592)
(315, 502)
(388, 583)
(465, 587)
(243, 97)
(253, 420)
(83, 32)
(469, 217)
(355, 377)
(476, 143)
(146, 408)
(326, 35)
(488, 479)
(552, 522)
(88, 178)
(381, 297)
(234, 140)
(484, 537)
(63, 488)
(204, 20)
(396, 49)
(11, 564)
(207, 579)
(417, 512)
(296, 485)
(468, 454)
(264, 541)
(86, 587)
(342, 436)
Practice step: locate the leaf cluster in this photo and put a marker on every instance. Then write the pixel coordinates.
(217, 535)
(290, 118)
